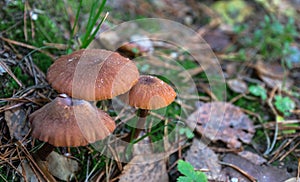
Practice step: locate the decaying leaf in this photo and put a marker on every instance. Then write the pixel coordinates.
(148, 168)
(260, 173)
(58, 165)
(217, 39)
(24, 168)
(273, 74)
(238, 86)
(200, 156)
(222, 121)
(254, 158)
(62, 167)
(143, 147)
(16, 122)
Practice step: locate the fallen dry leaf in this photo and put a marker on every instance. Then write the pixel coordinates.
(254, 158)
(151, 167)
(25, 169)
(16, 122)
(217, 39)
(238, 86)
(32, 173)
(260, 173)
(62, 167)
(222, 121)
(143, 147)
(200, 156)
(273, 74)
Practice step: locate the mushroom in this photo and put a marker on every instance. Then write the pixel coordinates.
(67, 122)
(150, 93)
(92, 74)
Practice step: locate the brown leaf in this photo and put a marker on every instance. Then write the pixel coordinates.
(26, 170)
(254, 158)
(200, 156)
(16, 122)
(261, 173)
(222, 121)
(62, 167)
(148, 168)
(273, 74)
(217, 39)
(32, 173)
(143, 147)
(238, 86)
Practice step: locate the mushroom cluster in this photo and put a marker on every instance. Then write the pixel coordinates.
(93, 75)
(84, 75)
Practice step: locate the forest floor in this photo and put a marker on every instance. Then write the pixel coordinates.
(235, 67)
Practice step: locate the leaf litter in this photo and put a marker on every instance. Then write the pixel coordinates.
(16, 122)
(202, 157)
(237, 129)
(220, 121)
(273, 74)
(58, 165)
(145, 168)
(262, 173)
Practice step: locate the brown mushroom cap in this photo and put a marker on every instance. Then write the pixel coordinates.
(92, 74)
(70, 122)
(151, 93)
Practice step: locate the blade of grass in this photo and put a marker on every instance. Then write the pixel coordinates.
(99, 12)
(89, 25)
(76, 17)
(90, 34)
(96, 30)
(149, 133)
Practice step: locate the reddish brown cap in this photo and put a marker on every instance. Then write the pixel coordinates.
(151, 93)
(93, 74)
(70, 122)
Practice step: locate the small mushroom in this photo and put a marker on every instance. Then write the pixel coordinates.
(150, 93)
(92, 74)
(67, 122)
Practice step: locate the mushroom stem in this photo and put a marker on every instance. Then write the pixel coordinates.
(44, 151)
(142, 114)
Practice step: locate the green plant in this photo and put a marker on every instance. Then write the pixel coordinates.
(284, 104)
(190, 175)
(92, 27)
(272, 39)
(187, 132)
(258, 91)
(233, 11)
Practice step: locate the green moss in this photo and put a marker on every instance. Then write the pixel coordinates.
(9, 88)
(42, 61)
(254, 106)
